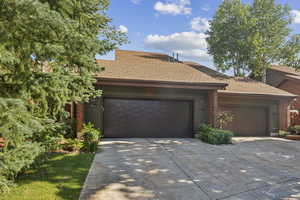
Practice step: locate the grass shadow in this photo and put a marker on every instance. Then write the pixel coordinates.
(60, 177)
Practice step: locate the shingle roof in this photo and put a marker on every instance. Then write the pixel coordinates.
(285, 69)
(293, 77)
(133, 65)
(242, 85)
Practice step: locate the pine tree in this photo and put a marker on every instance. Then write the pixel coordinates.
(48, 48)
(47, 59)
(17, 127)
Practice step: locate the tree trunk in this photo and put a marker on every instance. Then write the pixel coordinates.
(264, 76)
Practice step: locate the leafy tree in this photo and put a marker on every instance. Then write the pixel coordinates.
(268, 34)
(48, 48)
(291, 52)
(250, 38)
(227, 37)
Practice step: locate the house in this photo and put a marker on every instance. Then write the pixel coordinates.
(154, 95)
(288, 79)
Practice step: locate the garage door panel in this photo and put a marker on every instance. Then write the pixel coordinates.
(248, 120)
(147, 118)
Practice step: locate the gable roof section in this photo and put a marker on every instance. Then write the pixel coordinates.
(285, 69)
(153, 67)
(243, 85)
(285, 73)
(293, 77)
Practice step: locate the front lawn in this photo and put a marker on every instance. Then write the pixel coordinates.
(61, 177)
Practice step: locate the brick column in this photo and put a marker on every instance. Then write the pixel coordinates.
(212, 107)
(284, 115)
(79, 118)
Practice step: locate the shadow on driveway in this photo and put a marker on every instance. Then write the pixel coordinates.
(187, 169)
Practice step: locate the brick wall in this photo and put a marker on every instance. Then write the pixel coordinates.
(79, 117)
(212, 107)
(293, 87)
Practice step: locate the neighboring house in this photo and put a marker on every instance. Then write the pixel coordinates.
(288, 79)
(152, 95)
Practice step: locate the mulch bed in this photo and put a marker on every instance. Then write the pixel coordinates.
(293, 137)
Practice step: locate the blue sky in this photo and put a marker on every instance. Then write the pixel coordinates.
(172, 25)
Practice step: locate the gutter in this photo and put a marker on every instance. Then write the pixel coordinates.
(157, 83)
(255, 95)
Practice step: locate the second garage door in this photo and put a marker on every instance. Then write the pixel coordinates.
(147, 118)
(248, 120)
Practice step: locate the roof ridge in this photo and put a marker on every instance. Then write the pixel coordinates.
(136, 51)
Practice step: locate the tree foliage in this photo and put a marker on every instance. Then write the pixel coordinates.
(47, 59)
(48, 48)
(249, 38)
(17, 128)
(227, 37)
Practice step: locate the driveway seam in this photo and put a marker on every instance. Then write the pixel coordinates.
(180, 168)
(257, 188)
(288, 178)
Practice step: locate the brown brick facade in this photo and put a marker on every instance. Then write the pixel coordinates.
(280, 77)
(79, 117)
(292, 87)
(212, 107)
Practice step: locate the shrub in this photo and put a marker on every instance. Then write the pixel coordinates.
(91, 137)
(51, 136)
(282, 133)
(5, 184)
(19, 151)
(295, 130)
(204, 131)
(72, 145)
(224, 118)
(53, 144)
(211, 135)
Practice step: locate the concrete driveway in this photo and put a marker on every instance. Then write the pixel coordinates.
(187, 169)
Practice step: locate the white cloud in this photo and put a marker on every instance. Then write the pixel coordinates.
(296, 15)
(200, 24)
(205, 8)
(136, 1)
(175, 7)
(123, 29)
(190, 45)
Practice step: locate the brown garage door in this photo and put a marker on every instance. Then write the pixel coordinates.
(147, 118)
(248, 121)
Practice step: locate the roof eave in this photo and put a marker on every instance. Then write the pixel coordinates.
(257, 95)
(162, 84)
(284, 72)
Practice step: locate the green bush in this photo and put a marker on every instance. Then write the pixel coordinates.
(51, 136)
(295, 130)
(211, 135)
(204, 131)
(5, 184)
(17, 128)
(282, 133)
(91, 137)
(53, 144)
(72, 145)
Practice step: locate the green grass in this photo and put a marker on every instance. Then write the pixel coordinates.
(61, 177)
